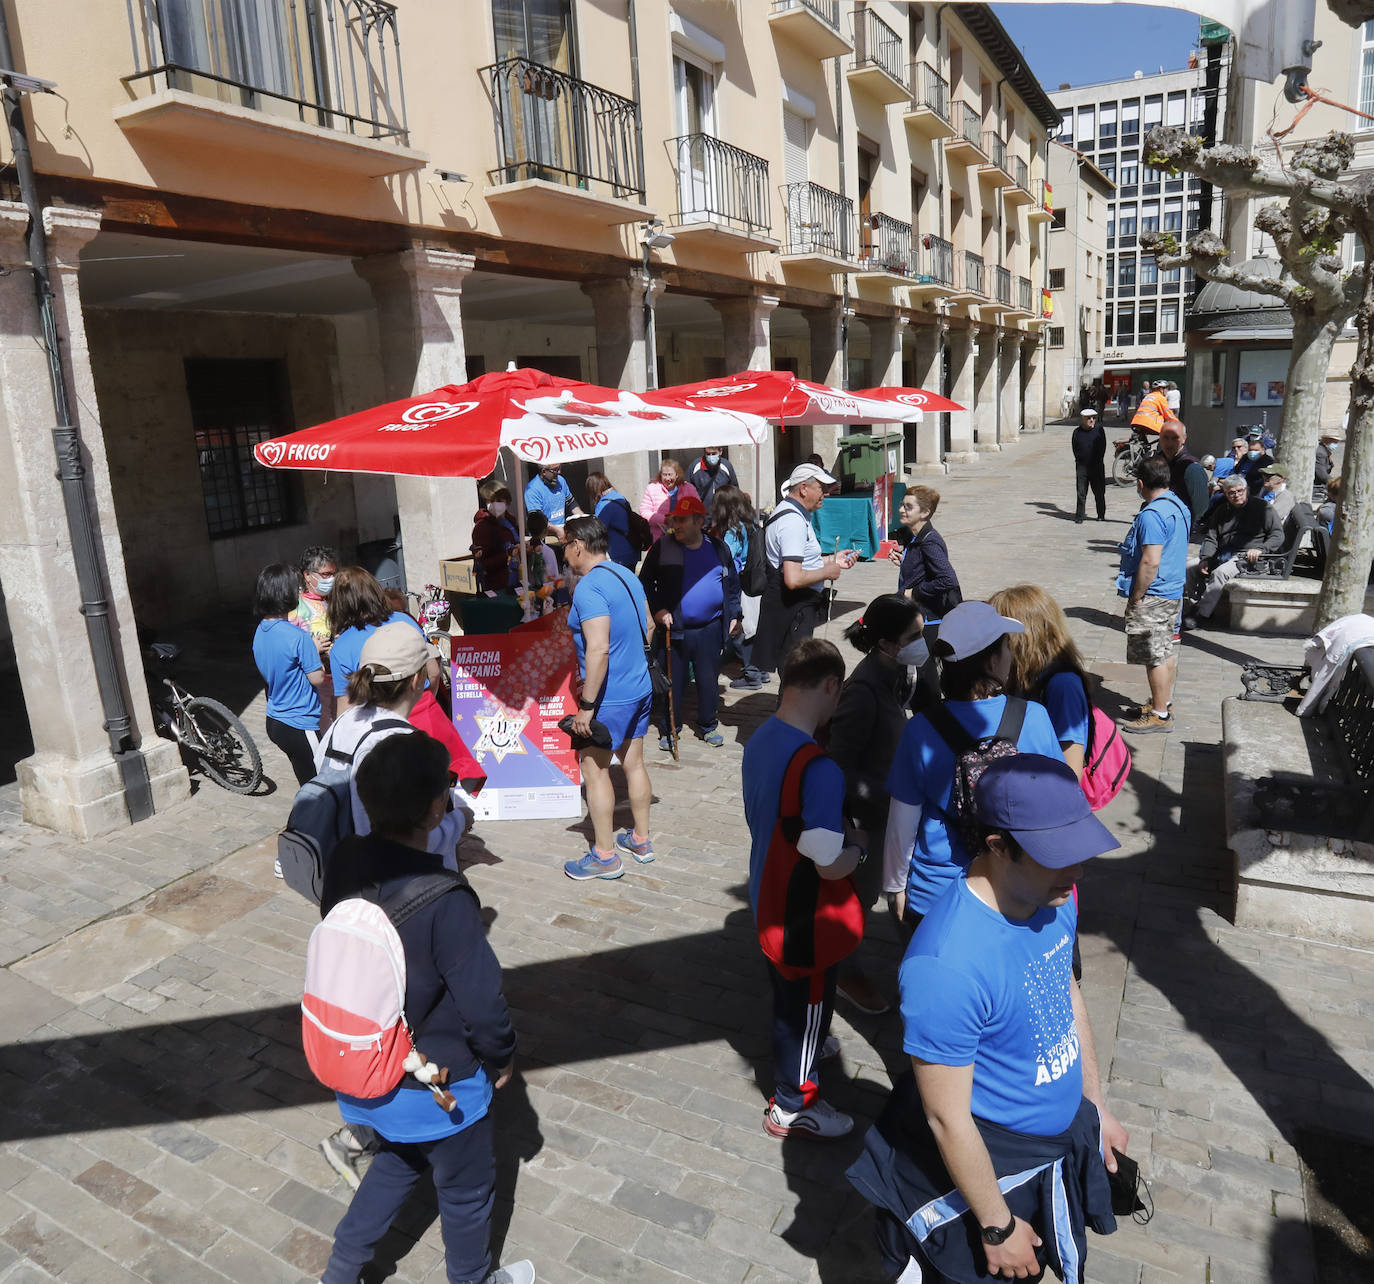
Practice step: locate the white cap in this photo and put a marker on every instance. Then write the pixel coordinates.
(807, 472)
(971, 627)
(396, 651)
(1088, 410)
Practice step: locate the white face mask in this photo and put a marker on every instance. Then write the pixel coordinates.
(914, 654)
(324, 585)
(497, 507)
(713, 460)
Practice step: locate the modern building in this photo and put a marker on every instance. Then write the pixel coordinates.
(1077, 283)
(264, 214)
(1107, 123)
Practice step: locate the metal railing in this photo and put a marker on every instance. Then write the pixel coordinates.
(929, 90)
(876, 44)
(819, 221)
(995, 149)
(1001, 285)
(1024, 294)
(826, 10)
(1021, 173)
(886, 246)
(939, 262)
(720, 181)
(331, 63)
(553, 126)
(973, 273)
(969, 123)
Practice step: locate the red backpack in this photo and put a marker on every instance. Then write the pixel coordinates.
(806, 923)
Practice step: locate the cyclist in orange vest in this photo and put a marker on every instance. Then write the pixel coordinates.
(1153, 410)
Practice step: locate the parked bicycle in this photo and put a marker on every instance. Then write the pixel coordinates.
(1130, 453)
(208, 733)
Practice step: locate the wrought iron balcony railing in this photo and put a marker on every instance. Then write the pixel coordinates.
(553, 126)
(973, 273)
(995, 149)
(819, 221)
(929, 90)
(877, 45)
(939, 260)
(969, 124)
(885, 245)
(828, 10)
(1023, 294)
(1021, 173)
(719, 181)
(331, 63)
(1001, 285)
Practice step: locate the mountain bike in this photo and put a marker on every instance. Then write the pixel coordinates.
(1130, 452)
(208, 733)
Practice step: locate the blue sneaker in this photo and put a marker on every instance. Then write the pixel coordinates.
(713, 737)
(590, 865)
(626, 845)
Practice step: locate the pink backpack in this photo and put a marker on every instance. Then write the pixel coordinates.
(353, 1023)
(1106, 759)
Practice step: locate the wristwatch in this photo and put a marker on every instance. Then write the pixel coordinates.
(586, 705)
(999, 1234)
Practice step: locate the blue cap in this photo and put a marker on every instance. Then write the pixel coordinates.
(1039, 802)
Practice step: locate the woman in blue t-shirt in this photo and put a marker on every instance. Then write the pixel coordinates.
(612, 510)
(290, 664)
(923, 852)
(1046, 666)
(358, 609)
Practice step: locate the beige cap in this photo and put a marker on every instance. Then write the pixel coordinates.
(397, 651)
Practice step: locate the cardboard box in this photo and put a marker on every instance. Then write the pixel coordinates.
(458, 574)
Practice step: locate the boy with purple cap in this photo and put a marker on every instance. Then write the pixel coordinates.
(993, 1156)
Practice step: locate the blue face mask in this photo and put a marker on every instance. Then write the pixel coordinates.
(324, 585)
(1254, 454)
(713, 460)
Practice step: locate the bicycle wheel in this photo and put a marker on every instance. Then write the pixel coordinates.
(229, 757)
(1123, 468)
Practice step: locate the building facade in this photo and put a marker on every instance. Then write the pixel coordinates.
(266, 215)
(1143, 331)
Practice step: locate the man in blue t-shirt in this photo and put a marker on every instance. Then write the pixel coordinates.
(1001, 1049)
(549, 494)
(690, 580)
(1154, 566)
(812, 676)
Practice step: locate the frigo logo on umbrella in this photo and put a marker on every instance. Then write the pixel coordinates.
(276, 453)
(912, 398)
(725, 390)
(537, 449)
(427, 413)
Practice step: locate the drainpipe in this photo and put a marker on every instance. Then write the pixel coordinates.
(639, 109)
(71, 472)
(844, 288)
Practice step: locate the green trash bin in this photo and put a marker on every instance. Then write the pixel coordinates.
(863, 458)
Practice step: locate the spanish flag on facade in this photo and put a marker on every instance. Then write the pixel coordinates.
(1049, 198)
(1046, 303)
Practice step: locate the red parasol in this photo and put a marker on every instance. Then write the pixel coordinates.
(917, 397)
(784, 398)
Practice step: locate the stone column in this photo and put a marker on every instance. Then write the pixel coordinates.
(961, 362)
(928, 458)
(1009, 388)
(986, 392)
(622, 361)
(72, 782)
(748, 346)
(1033, 382)
(885, 346)
(826, 326)
(418, 297)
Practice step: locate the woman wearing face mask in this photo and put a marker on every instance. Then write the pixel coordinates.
(661, 495)
(711, 472)
(864, 734)
(495, 539)
(923, 852)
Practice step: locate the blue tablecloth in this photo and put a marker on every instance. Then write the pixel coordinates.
(848, 518)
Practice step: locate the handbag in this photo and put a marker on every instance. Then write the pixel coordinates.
(658, 680)
(600, 737)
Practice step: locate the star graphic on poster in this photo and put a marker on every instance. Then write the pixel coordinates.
(500, 734)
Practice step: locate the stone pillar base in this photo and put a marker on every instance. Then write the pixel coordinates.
(964, 456)
(987, 447)
(85, 797)
(932, 469)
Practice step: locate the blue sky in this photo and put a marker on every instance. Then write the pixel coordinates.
(1087, 43)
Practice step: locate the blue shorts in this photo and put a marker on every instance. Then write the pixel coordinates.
(624, 719)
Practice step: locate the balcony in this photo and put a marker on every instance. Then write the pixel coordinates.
(996, 169)
(812, 25)
(1024, 295)
(820, 228)
(879, 68)
(564, 146)
(722, 194)
(1001, 291)
(1020, 192)
(928, 112)
(1042, 207)
(887, 255)
(974, 277)
(934, 272)
(318, 86)
(966, 143)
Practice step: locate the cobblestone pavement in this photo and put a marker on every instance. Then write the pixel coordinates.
(159, 1123)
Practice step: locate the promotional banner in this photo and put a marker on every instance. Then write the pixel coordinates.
(882, 500)
(509, 691)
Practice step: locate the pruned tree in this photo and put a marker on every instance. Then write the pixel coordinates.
(1315, 210)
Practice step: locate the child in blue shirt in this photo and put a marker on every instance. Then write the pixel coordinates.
(290, 665)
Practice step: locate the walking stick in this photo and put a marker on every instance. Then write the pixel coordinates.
(672, 713)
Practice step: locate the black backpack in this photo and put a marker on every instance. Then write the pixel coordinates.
(971, 759)
(641, 534)
(753, 579)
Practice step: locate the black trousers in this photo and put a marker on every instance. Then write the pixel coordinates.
(297, 745)
(1092, 472)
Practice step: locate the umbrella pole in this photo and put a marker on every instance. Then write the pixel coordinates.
(513, 472)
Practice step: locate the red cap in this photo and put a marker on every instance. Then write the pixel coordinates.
(688, 504)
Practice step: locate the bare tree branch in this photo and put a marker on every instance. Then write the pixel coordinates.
(1206, 255)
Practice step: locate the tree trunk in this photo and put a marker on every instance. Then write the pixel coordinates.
(1314, 336)
(1352, 542)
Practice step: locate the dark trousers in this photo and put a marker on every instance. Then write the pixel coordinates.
(801, 1020)
(1091, 472)
(464, 1170)
(297, 745)
(697, 651)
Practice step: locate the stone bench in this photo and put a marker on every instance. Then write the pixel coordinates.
(1285, 607)
(1288, 879)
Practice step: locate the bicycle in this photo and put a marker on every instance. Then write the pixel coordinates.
(208, 733)
(1130, 453)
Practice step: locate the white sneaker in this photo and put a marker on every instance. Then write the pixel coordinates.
(818, 1122)
(515, 1273)
(276, 868)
